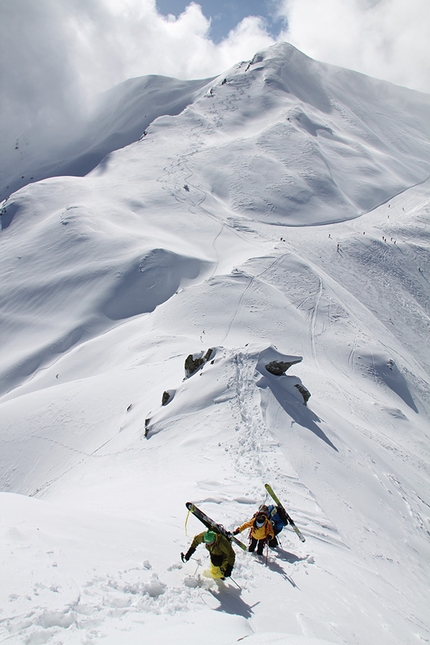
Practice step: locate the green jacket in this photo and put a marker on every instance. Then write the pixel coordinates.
(220, 547)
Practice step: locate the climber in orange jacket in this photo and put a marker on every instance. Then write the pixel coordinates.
(261, 532)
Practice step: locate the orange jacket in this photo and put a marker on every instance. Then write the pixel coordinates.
(259, 533)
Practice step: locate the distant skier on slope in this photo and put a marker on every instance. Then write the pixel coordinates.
(278, 519)
(261, 531)
(220, 551)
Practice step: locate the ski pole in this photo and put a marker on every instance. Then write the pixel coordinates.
(237, 585)
(199, 562)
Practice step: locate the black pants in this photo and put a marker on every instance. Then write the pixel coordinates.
(218, 561)
(257, 543)
(273, 542)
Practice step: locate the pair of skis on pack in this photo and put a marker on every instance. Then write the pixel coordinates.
(214, 526)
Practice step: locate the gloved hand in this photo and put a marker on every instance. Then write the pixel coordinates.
(236, 531)
(185, 557)
(227, 571)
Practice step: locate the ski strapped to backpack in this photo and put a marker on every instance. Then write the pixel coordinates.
(213, 526)
(276, 499)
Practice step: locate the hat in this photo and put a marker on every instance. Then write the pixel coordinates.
(209, 537)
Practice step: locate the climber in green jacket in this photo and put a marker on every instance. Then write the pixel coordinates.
(220, 551)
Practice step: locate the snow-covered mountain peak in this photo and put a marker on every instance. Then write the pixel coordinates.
(272, 219)
(312, 132)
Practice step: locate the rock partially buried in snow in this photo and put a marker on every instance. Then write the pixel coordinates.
(167, 396)
(271, 361)
(280, 367)
(194, 362)
(304, 392)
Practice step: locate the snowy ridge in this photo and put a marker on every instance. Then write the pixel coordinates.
(283, 214)
(120, 118)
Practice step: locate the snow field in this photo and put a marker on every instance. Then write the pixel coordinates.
(284, 213)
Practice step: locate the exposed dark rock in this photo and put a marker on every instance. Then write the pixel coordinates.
(147, 421)
(165, 399)
(168, 396)
(304, 392)
(280, 367)
(208, 355)
(194, 362)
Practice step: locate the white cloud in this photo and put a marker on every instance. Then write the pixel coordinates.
(388, 39)
(56, 56)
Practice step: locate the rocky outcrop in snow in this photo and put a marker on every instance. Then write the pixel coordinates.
(194, 362)
(280, 367)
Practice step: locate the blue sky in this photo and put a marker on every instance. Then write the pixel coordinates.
(227, 14)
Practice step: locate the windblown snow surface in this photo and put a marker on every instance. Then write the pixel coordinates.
(283, 213)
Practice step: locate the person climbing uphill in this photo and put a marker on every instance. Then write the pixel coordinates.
(278, 518)
(220, 551)
(261, 531)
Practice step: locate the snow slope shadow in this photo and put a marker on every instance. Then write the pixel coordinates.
(276, 568)
(231, 602)
(287, 556)
(7, 213)
(284, 391)
(140, 289)
(122, 116)
(385, 372)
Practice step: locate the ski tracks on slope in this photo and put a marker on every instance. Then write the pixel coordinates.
(314, 319)
(250, 430)
(257, 455)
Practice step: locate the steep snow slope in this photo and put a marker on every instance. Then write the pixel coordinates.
(207, 233)
(313, 147)
(120, 117)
